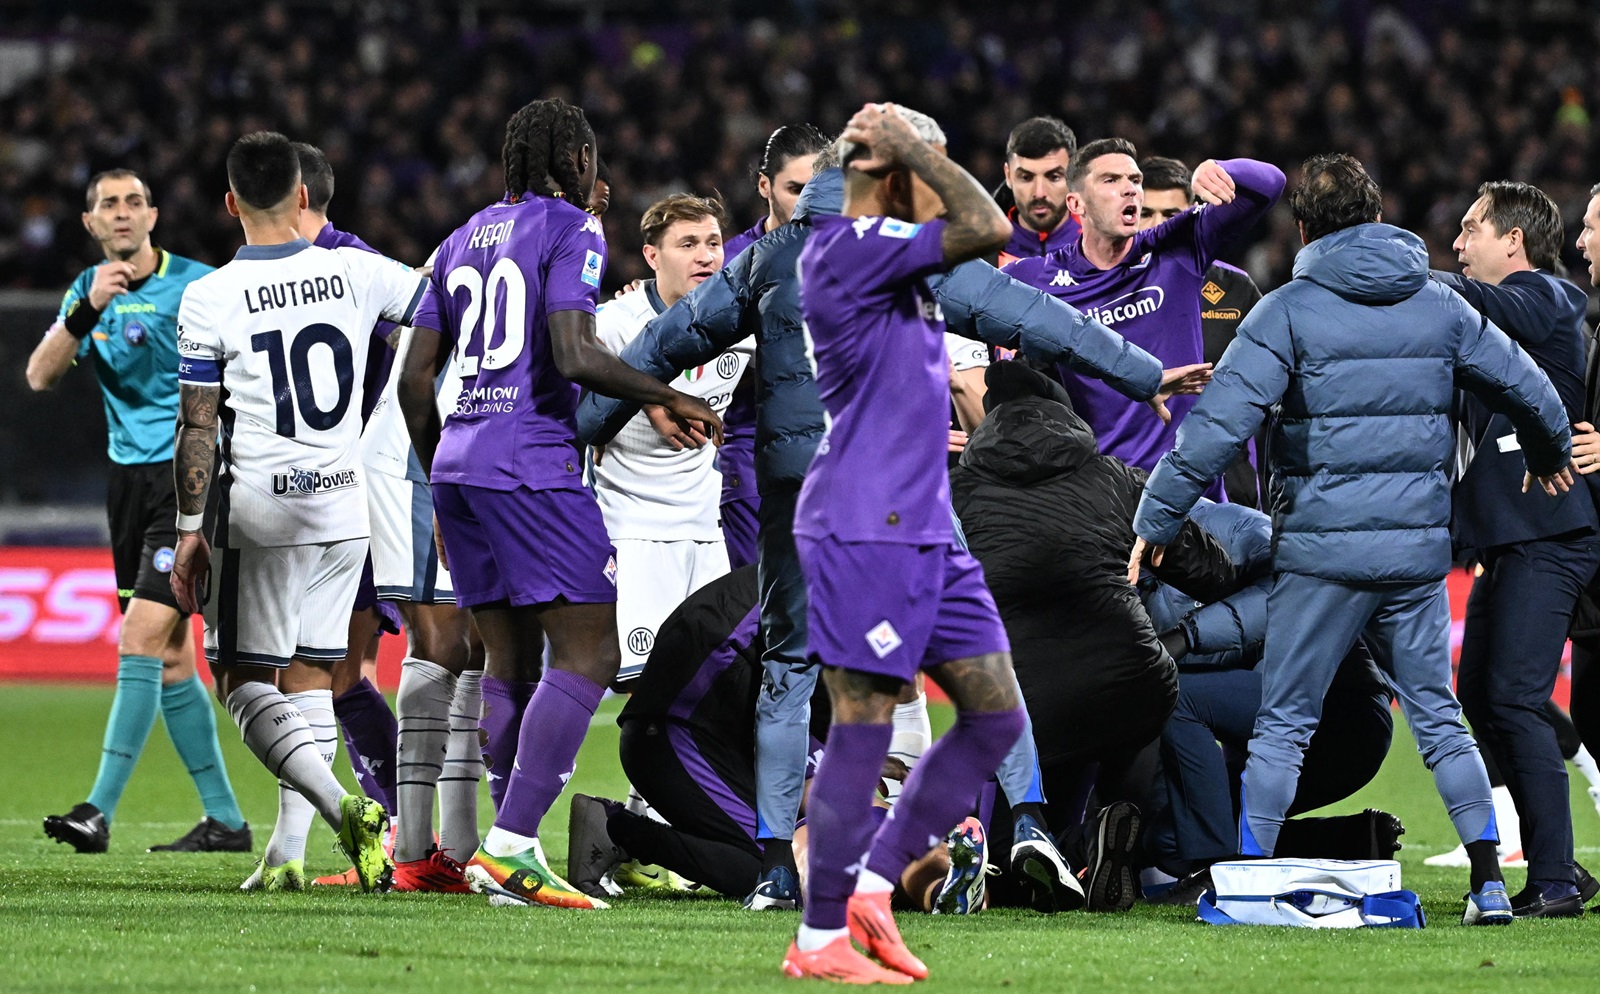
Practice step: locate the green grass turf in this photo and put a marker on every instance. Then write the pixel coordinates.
(176, 922)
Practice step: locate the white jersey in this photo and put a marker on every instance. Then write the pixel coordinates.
(965, 353)
(646, 489)
(385, 444)
(284, 330)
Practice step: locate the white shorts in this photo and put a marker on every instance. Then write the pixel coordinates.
(653, 578)
(267, 606)
(405, 564)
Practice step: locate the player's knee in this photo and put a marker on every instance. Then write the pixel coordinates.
(862, 698)
(980, 683)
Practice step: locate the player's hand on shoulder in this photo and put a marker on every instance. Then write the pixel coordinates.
(629, 288)
(1212, 183)
(110, 280)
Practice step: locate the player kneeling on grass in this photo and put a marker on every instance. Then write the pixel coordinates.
(268, 346)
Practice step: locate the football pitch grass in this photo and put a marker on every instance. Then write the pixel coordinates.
(131, 921)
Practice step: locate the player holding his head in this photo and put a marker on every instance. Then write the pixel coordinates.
(123, 313)
(890, 593)
(1038, 153)
(660, 495)
(268, 350)
(512, 298)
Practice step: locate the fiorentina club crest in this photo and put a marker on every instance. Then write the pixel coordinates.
(884, 639)
(611, 570)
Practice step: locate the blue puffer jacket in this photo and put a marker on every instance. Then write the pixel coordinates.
(1227, 633)
(758, 293)
(1362, 351)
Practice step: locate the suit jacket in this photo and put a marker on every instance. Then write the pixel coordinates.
(1544, 315)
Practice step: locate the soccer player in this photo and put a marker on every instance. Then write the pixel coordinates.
(1360, 355)
(123, 313)
(432, 746)
(785, 169)
(1038, 153)
(268, 348)
(1227, 295)
(658, 495)
(889, 592)
(1145, 285)
(514, 290)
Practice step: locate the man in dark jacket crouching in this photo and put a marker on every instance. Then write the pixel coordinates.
(1363, 352)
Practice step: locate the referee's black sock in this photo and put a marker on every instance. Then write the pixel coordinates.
(1485, 856)
(776, 853)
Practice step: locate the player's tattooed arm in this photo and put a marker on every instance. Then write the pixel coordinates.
(975, 224)
(197, 445)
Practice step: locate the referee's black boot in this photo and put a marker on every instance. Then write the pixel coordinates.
(211, 836)
(83, 828)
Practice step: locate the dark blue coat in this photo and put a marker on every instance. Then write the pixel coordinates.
(1544, 315)
(1360, 354)
(758, 293)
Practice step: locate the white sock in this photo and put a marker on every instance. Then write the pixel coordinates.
(811, 939)
(500, 842)
(1586, 765)
(868, 882)
(281, 737)
(463, 770)
(422, 712)
(912, 736)
(295, 813)
(1507, 820)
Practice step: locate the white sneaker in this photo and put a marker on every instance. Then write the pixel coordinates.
(1594, 795)
(1455, 859)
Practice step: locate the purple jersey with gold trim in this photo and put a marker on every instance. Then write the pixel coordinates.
(496, 281)
(877, 338)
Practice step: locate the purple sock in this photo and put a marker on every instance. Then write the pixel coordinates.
(942, 788)
(547, 748)
(837, 814)
(504, 702)
(369, 737)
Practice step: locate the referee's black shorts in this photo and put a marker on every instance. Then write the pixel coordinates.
(142, 507)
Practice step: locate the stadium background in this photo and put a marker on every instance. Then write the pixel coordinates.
(410, 99)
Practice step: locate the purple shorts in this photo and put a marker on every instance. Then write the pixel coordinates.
(525, 546)
(389, 620)
(877, 607)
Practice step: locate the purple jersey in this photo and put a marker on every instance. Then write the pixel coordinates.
(1152, 298)
(1026, 243)
(496, 281)
(744, 239)
(877, 338)
(380, 358)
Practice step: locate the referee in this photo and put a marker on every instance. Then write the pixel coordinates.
(123, 314)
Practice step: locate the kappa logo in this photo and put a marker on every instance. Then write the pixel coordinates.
(1212, 292)
(611, 570)
(863, 225)
(884, 639)
(641, 641)
(727, 365)
(592, 224)
(1063, 278)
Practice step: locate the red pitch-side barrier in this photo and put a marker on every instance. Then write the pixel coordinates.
(58, 619)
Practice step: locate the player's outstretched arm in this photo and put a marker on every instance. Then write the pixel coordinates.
(422, 355)
(975, 225)
(192, 464)
(581, 358)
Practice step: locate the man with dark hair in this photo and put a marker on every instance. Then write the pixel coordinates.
(1034, 193)
(268, 346)
(123, 314)
(1226, 296)
(511, 303)
(1359, 355)
(1537, 554)
(1145, 285)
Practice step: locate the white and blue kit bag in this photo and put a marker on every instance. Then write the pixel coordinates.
(1310, 893)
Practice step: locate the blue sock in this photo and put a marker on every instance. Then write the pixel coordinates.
(192, 723)
(133, 712)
